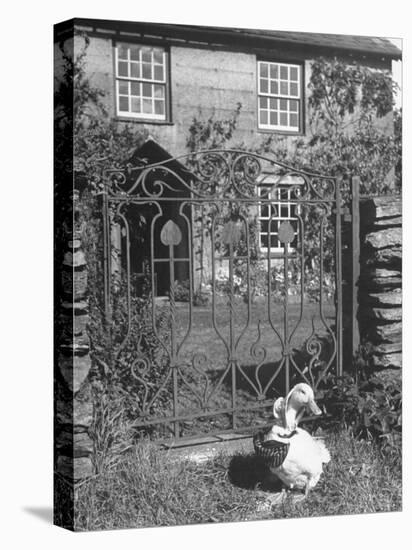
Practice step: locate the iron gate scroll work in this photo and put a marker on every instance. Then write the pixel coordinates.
(222, 287)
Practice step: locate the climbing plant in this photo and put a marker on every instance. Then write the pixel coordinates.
(350, 127)
(350, 131)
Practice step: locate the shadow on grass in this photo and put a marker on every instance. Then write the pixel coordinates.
(250, 472)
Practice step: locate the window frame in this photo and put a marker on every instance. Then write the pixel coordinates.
(280, 249)
(300, 99)
(151, 118)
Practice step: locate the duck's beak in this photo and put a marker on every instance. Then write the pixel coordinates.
(313, 408)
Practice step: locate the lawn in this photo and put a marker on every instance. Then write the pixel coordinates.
(209, 371)
(149, 487)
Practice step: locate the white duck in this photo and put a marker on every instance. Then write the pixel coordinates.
(304, 455)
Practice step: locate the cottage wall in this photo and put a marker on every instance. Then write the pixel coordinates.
(202, 82)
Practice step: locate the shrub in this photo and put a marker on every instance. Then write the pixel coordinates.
(372, 408)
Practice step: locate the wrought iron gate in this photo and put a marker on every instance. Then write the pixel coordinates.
(222, 277)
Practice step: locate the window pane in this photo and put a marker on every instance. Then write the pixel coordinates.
(263, 102)
(122, 51)
(273, 118)
(147, 106)
(264, 224)
(122, 68)
(293, 120)
(159, 107)
(135, 88)
(293, 106)
(284, 194)
(147, 90)
(136, 105)
(264, 211)
(283, 119)
(274, 224)
(146, 56)
(263, 117)
(264, 241)
(134, 53)
(274, 243)
(284, 88)
(294, 73)
(284, 73)
(264, 69)
(274, 71)
(123, 103)
(273, 104)
(264, 85)
(158, 72)
(158, 56)
(284, 211)
(135, 70)
(123, 87)
(146, 71)
(159, 92)
(283, 104)
(274, 211)
(294, 89)
(274, 88)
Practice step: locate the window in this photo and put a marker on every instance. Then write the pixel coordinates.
(272, 214)
(141, 82)
(279, 96)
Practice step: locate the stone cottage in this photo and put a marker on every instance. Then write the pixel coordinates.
(158, 77)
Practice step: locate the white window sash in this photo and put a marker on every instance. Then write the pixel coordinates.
(119, 78)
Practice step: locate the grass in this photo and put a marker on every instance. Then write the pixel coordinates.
(148, 487)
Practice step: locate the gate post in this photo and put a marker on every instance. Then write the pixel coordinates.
(355, 339)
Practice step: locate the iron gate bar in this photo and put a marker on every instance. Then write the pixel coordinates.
(225, 181)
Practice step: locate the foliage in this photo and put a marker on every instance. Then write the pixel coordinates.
(212, 133)
(371, 408)
(182, 291)
(87, 140)
(347, 136)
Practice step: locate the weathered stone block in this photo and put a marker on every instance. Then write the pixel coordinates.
(75, 413)
(393, 298)
(380, 284)
(383, 349)
(388, 222)
(78, 346)
(75, 259)
(389, 360)
(75, 468)
(391, 332)
(380, 207)
(386, 237)
(382, 273)
(75, 244)
(74, 284)
(78, 308)
(73, 325)
(385, 314)
(74, 369)
(78, 444)
(386, 257)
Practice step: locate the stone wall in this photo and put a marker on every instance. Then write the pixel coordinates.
(380, 290)
(73, 445)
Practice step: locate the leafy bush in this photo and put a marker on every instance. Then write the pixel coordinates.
(371, 408)
(182, 291)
